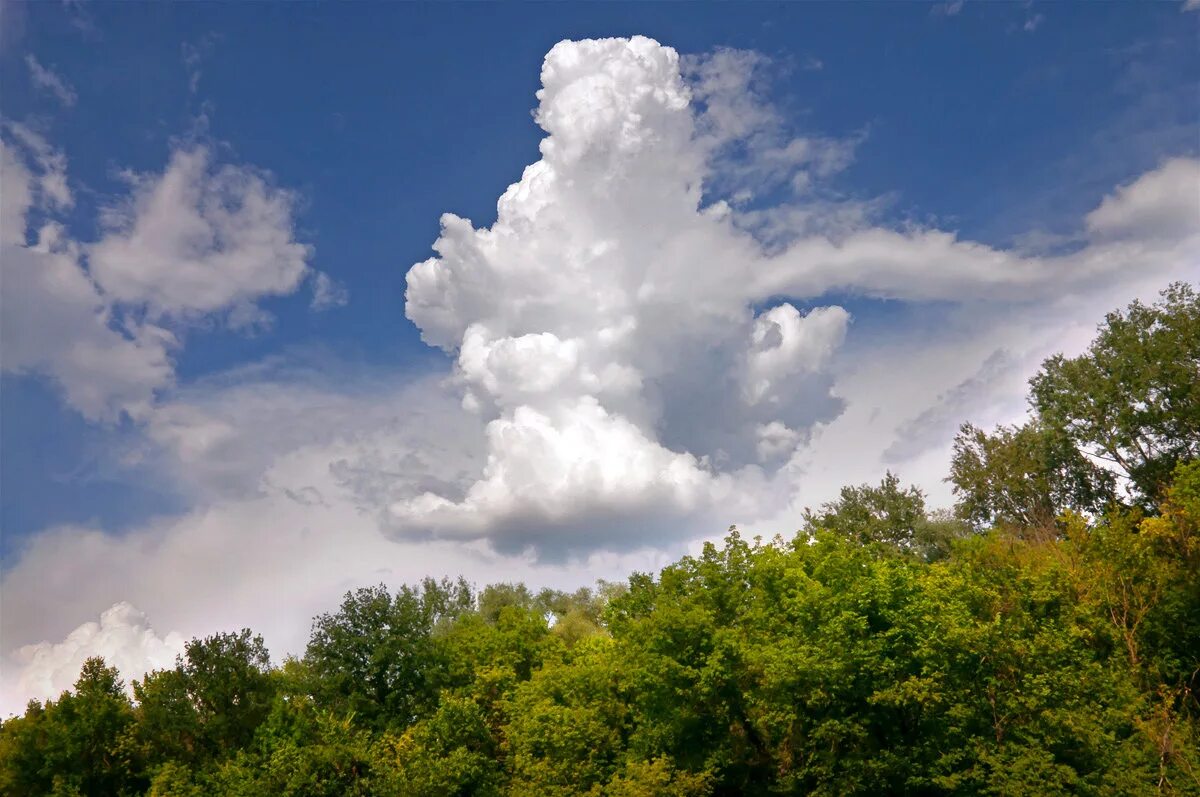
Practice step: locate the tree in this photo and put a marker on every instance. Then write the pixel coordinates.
(302, 751)
(657, 778)
(1023, 478)
(1144, 574)
(1133, 399)
(451, 752)
(377, 657)
(886, 516)
(568, 725)
(496, 597)
(72, 745)
(210, 704)
(23, 742)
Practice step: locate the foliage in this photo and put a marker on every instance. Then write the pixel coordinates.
(72, 746)
(209, 705)
(1023, 478)
(888, 517)
(377, 658)
(1133, 399)
(883, 650)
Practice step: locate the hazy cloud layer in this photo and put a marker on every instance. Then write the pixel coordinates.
(289, 480)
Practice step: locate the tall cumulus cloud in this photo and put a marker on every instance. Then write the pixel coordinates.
(646, 342)
(606, 326)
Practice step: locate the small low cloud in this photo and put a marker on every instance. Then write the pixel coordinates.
(327, 293)
(199, 237)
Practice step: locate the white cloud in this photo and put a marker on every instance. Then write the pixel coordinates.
(607, 302)
(198, 239)
(123, 638)
(949, 9)
(53, 319)
(562, 477)
(776, 441)
(749, 146)
(1190, 5)
(934, 265)
(193, 54)
(787, 344)
(102, 319)
(47, 80)
(1161, 204)
(40, 178)
(601, 322)
(327, 294)
(385, 440)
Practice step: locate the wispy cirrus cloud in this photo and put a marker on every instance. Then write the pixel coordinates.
(46, 79)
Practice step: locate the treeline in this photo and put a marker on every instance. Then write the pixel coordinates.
(1043, 639)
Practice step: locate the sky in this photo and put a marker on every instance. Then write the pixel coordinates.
(298, 298)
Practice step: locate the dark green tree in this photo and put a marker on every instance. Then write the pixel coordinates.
(210, 705)
(888, 516)
(1023, 478)
(377, 657)
(73, 745)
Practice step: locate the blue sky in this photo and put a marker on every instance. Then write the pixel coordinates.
(1000, 126)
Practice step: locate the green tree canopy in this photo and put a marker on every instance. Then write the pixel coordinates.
(887, 516)
(210, 704)
(377, 658)
(883, 650)
(1024, 477)
(1132, 400)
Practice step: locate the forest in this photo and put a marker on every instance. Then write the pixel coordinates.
(1040, 638)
